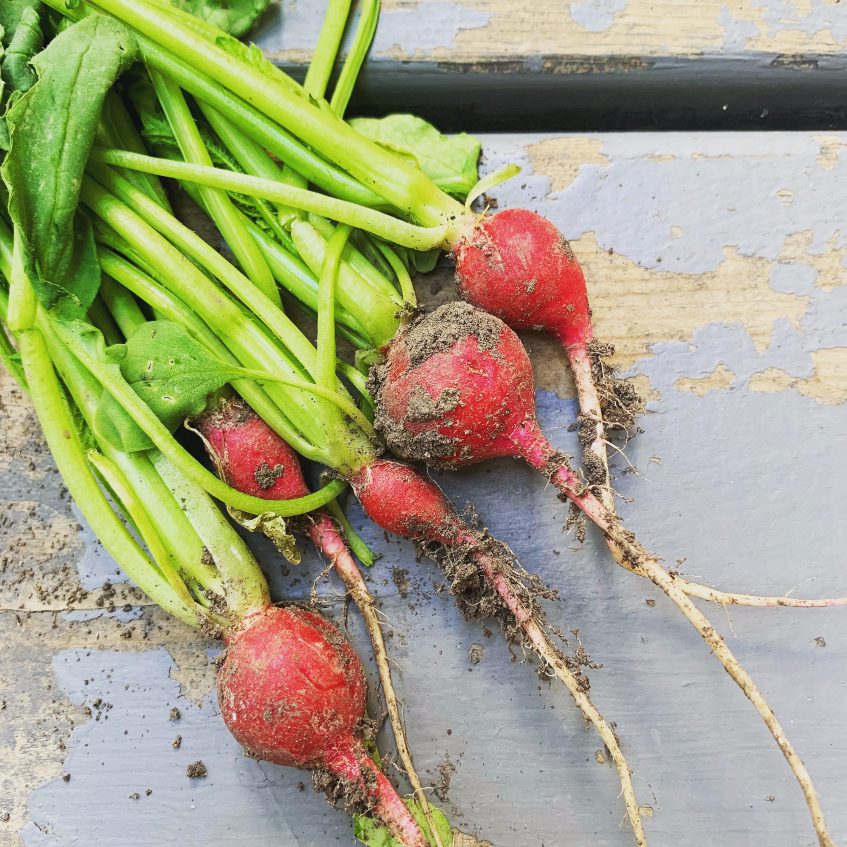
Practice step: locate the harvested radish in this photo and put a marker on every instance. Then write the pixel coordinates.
(292, 691)
(251, 457)
(456, 389)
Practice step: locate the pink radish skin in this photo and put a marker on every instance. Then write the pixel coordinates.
(518, 266)
(292, 691)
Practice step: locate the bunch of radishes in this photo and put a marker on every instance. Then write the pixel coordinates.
(308, 203)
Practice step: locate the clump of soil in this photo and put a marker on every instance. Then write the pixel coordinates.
(196, 770)
(476, 653)
(355, 797)
(447, 325)
(400, 576)
(620, 403)
(446, 769)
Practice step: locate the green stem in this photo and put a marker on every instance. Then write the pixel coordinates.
(9, 357)
(296, 277)
(334, 441)
(140, 517)
(176, 534)
(326, 50)
(122, 306)
(325, 375)
(244, 586)
(404, 186)
(359, 262)
(261, 129)
(354, 541)
(192, 245)
(253, 160)
(217, 203)
(120, 126)
(344, 404)
(375, 312)
(22, 300)
(407, 290)
(183, 461)
(172, 308)
(63, 440)
(99, 314)
(378, 223)
(365, 29)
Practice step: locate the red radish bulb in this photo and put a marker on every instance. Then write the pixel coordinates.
(292, 691)
(518, 266)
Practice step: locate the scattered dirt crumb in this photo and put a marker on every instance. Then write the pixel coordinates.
(134, 796)
(650, 602)
(600, 757)
(196, 770)
(401, 580)
(476, 654)
(177, 742)
(66, 777)
(820, 641)
(175, 714)
(445, 773)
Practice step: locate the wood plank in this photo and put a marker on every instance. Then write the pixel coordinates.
(717, 267)
(593, 64)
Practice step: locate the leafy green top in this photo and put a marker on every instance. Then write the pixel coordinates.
(52, 127)
(450, 161)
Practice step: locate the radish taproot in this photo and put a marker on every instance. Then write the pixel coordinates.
(457, 388)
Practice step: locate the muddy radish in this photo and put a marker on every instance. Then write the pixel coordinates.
(456, 389)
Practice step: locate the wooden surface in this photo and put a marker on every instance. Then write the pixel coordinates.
(716, 264)
(593, 64)
(491, 31)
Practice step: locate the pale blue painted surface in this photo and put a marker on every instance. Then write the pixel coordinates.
(749, 488)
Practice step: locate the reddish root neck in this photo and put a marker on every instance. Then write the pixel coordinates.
(356, 769)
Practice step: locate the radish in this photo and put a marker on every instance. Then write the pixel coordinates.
(457, 388)
(254, 459)
(292, 691)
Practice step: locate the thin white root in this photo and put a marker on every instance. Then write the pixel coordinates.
(631, 555)
(589, 406)
(553, 659)
(328, 539)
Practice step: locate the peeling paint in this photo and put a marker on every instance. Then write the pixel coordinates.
(479, 33)
(720, 379)
(596, 15)
(827, 385)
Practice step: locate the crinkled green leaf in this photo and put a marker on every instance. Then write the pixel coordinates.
(52, 128)
(374, 834)
(233, 16)
(10, 14)
(170, 371)
(17, 71)
(273, 527)
(112, 423)
(450, 161)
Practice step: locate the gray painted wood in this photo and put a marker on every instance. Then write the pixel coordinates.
(592, 64)
(716, 265)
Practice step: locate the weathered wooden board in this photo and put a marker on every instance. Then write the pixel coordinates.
(593, 63)
(717, 266)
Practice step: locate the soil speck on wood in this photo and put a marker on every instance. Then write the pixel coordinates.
(445, 773)
(196, 770)
(401, 580)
